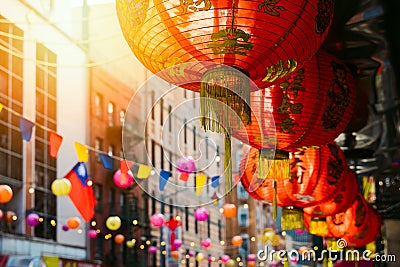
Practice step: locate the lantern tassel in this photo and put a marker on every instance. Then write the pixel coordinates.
(275, 202)
(292, 218)
(228, 163)
(319, 227)
(274, 164)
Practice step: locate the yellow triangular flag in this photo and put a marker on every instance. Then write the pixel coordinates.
(143, 172)
(200, 182)
(82, 152)
(1, 107)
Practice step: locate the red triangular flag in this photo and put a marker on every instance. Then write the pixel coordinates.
(125, 165)
(184, 177)
(55, 141)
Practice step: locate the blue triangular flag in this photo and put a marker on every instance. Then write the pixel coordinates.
(164, 176)
(215, 181)
(26, 127)
(108, 162)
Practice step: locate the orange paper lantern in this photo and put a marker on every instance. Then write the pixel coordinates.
(237, 240)
(175, 254)
(73, 222)
(6, 193)
(119, 239)
(229, 210)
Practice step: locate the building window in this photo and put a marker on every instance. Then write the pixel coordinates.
(242, 193)
(162, 157)
(11, 83)
(258, 216)
(194, 138)
(245, 247)
(170, 160)
(153, 101)
(98, 145)
(169, 118)
(153, 204)
(243, 216)
(98, 193)
(45, 166)
(161, 112)
(187, 218)
(185, 131)
(153, 153)
(219, 230)
(209, 226)
(122, 116)
(111, 150)
(110, 112)
(98, 104)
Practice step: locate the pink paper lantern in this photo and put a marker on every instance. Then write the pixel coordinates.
(32, 219)
(157, 220)
(251, 257)
(152, 249)
(210, 259)
(273, 264)
(299, 231)
(123, 180)
(191, 253)
(206, 243)
(293, 259)
(225, 258)
(186, 165)
(201, 214)
(92, 234)
(177, 243)
(1, 214)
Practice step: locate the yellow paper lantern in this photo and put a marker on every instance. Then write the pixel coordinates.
(61, 187)
(200, 257)
(113, 223)
(130, 244)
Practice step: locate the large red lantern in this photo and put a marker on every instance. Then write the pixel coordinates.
(228, 43)
(316, 175)
(341, 200)
(266, 40)
(309, 109)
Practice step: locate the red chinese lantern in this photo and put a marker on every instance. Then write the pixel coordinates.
(262, 41)
(351, 220)
(311, 108)
(340, 201)
(366, 233)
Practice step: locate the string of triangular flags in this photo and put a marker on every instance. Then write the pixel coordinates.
(55, 141)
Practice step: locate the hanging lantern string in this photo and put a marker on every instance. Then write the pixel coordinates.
(48, 130)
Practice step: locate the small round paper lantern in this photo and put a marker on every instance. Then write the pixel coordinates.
(32, 219)
(186, 165)
(61, 187)
(1, 214)
(200, 257)
(293, 259)
(10, 216)
(157, 220)
(191, 253)
(251, 264)
(73, 222)
(206, 243)
(177, 243)
(119, 239)
(65, 227)
(273, 263)
(230, 263)
(130, 244)
(175, 254)
(210, 259)
(123, 180)
(251, 257)
(92, 234)
(299, 231)
(6, 193)
(152, 249)
(113, 223)
(237, 240)
(229, 210)
(225, 258)
(201, 214)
